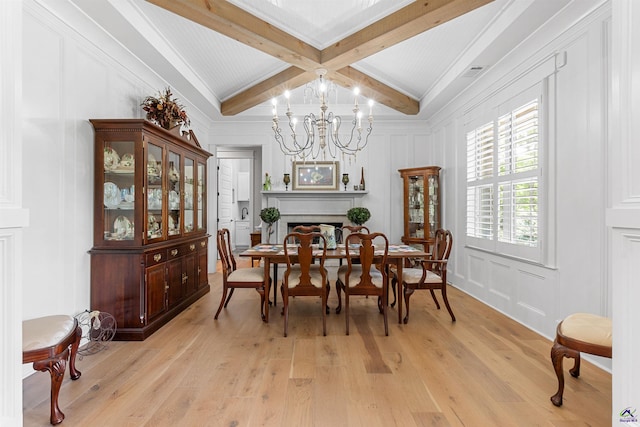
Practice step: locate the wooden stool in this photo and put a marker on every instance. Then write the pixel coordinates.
(46, 342)
(579, 332)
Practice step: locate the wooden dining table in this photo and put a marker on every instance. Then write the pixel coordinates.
(274, 255)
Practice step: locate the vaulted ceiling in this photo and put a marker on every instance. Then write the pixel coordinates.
(231, 57)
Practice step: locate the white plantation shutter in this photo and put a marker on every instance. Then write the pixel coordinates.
(518, 212)
(480, 203)
(518, 140)
(503, 174)
(480, 152)
(480, 147)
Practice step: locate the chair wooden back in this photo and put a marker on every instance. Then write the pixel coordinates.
(443, 243)
(227, 260)
(304, 254)
(306, 228)
(369, 255)
(346, 230)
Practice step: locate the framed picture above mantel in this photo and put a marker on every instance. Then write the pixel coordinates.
(313, 175)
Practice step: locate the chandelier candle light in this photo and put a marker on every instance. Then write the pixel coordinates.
(322, 133)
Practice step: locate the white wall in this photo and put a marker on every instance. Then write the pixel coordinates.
(13, 217)
(623, 213)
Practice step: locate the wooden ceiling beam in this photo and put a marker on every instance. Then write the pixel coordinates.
(370, 88)
(227, 19)
(288, 79)
(411, 20)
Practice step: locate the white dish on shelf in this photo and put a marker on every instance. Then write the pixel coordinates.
(152, 166)
(111, 159)
(127, 161)
(174, 175)
(111, 195)
(122, 227)
(153, 227)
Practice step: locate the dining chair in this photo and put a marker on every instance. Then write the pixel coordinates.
(350, 229)
(303, 277)
(430, 274)
(367, 278)
(233, 277)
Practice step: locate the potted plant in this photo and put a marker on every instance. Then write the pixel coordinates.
(359, 215)
(270, 216)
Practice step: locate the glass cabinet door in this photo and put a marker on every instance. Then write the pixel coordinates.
(201, 197)
(119, 190)
(189, 218)
(175, 201)
(416, 206)
(433, 207)
(154, 191)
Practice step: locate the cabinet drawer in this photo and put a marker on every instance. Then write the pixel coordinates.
(189, 248)
(175, 252)
(202, 244)
(156, 257)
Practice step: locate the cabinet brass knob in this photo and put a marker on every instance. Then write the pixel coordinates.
(174, 252)
(157, 257)
(192, 247)
(203, 244)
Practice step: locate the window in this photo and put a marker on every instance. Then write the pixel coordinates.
(503, 179)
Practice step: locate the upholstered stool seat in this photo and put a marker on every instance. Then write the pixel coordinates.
(579, 332)
(46, 342)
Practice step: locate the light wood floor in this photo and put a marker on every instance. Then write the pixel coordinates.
(483, 370)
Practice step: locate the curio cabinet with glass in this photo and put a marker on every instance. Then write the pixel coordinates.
(422, 205)
(149, 258)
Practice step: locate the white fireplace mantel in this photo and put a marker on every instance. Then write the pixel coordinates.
(311, 206)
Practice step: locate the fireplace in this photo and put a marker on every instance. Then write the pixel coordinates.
(310, 207)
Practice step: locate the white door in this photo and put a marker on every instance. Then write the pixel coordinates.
(225, 196)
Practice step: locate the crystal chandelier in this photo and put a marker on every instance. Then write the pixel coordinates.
(322, 133)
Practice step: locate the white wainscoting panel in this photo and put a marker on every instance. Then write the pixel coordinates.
(502, 283)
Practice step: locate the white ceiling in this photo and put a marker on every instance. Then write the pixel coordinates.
(209, 68)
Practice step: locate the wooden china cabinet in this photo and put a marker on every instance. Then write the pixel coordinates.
(422, 207)
(150, 241)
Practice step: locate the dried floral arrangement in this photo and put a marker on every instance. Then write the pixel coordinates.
(164, 110)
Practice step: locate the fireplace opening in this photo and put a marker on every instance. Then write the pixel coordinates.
(337, 225)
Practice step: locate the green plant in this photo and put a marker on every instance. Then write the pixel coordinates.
(270, 215)
(358, 216)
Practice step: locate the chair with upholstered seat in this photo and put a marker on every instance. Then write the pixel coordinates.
(303, 277)
(367, 278)
(579, 332)
(49, 342)
(233, 277)
(431, 273)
